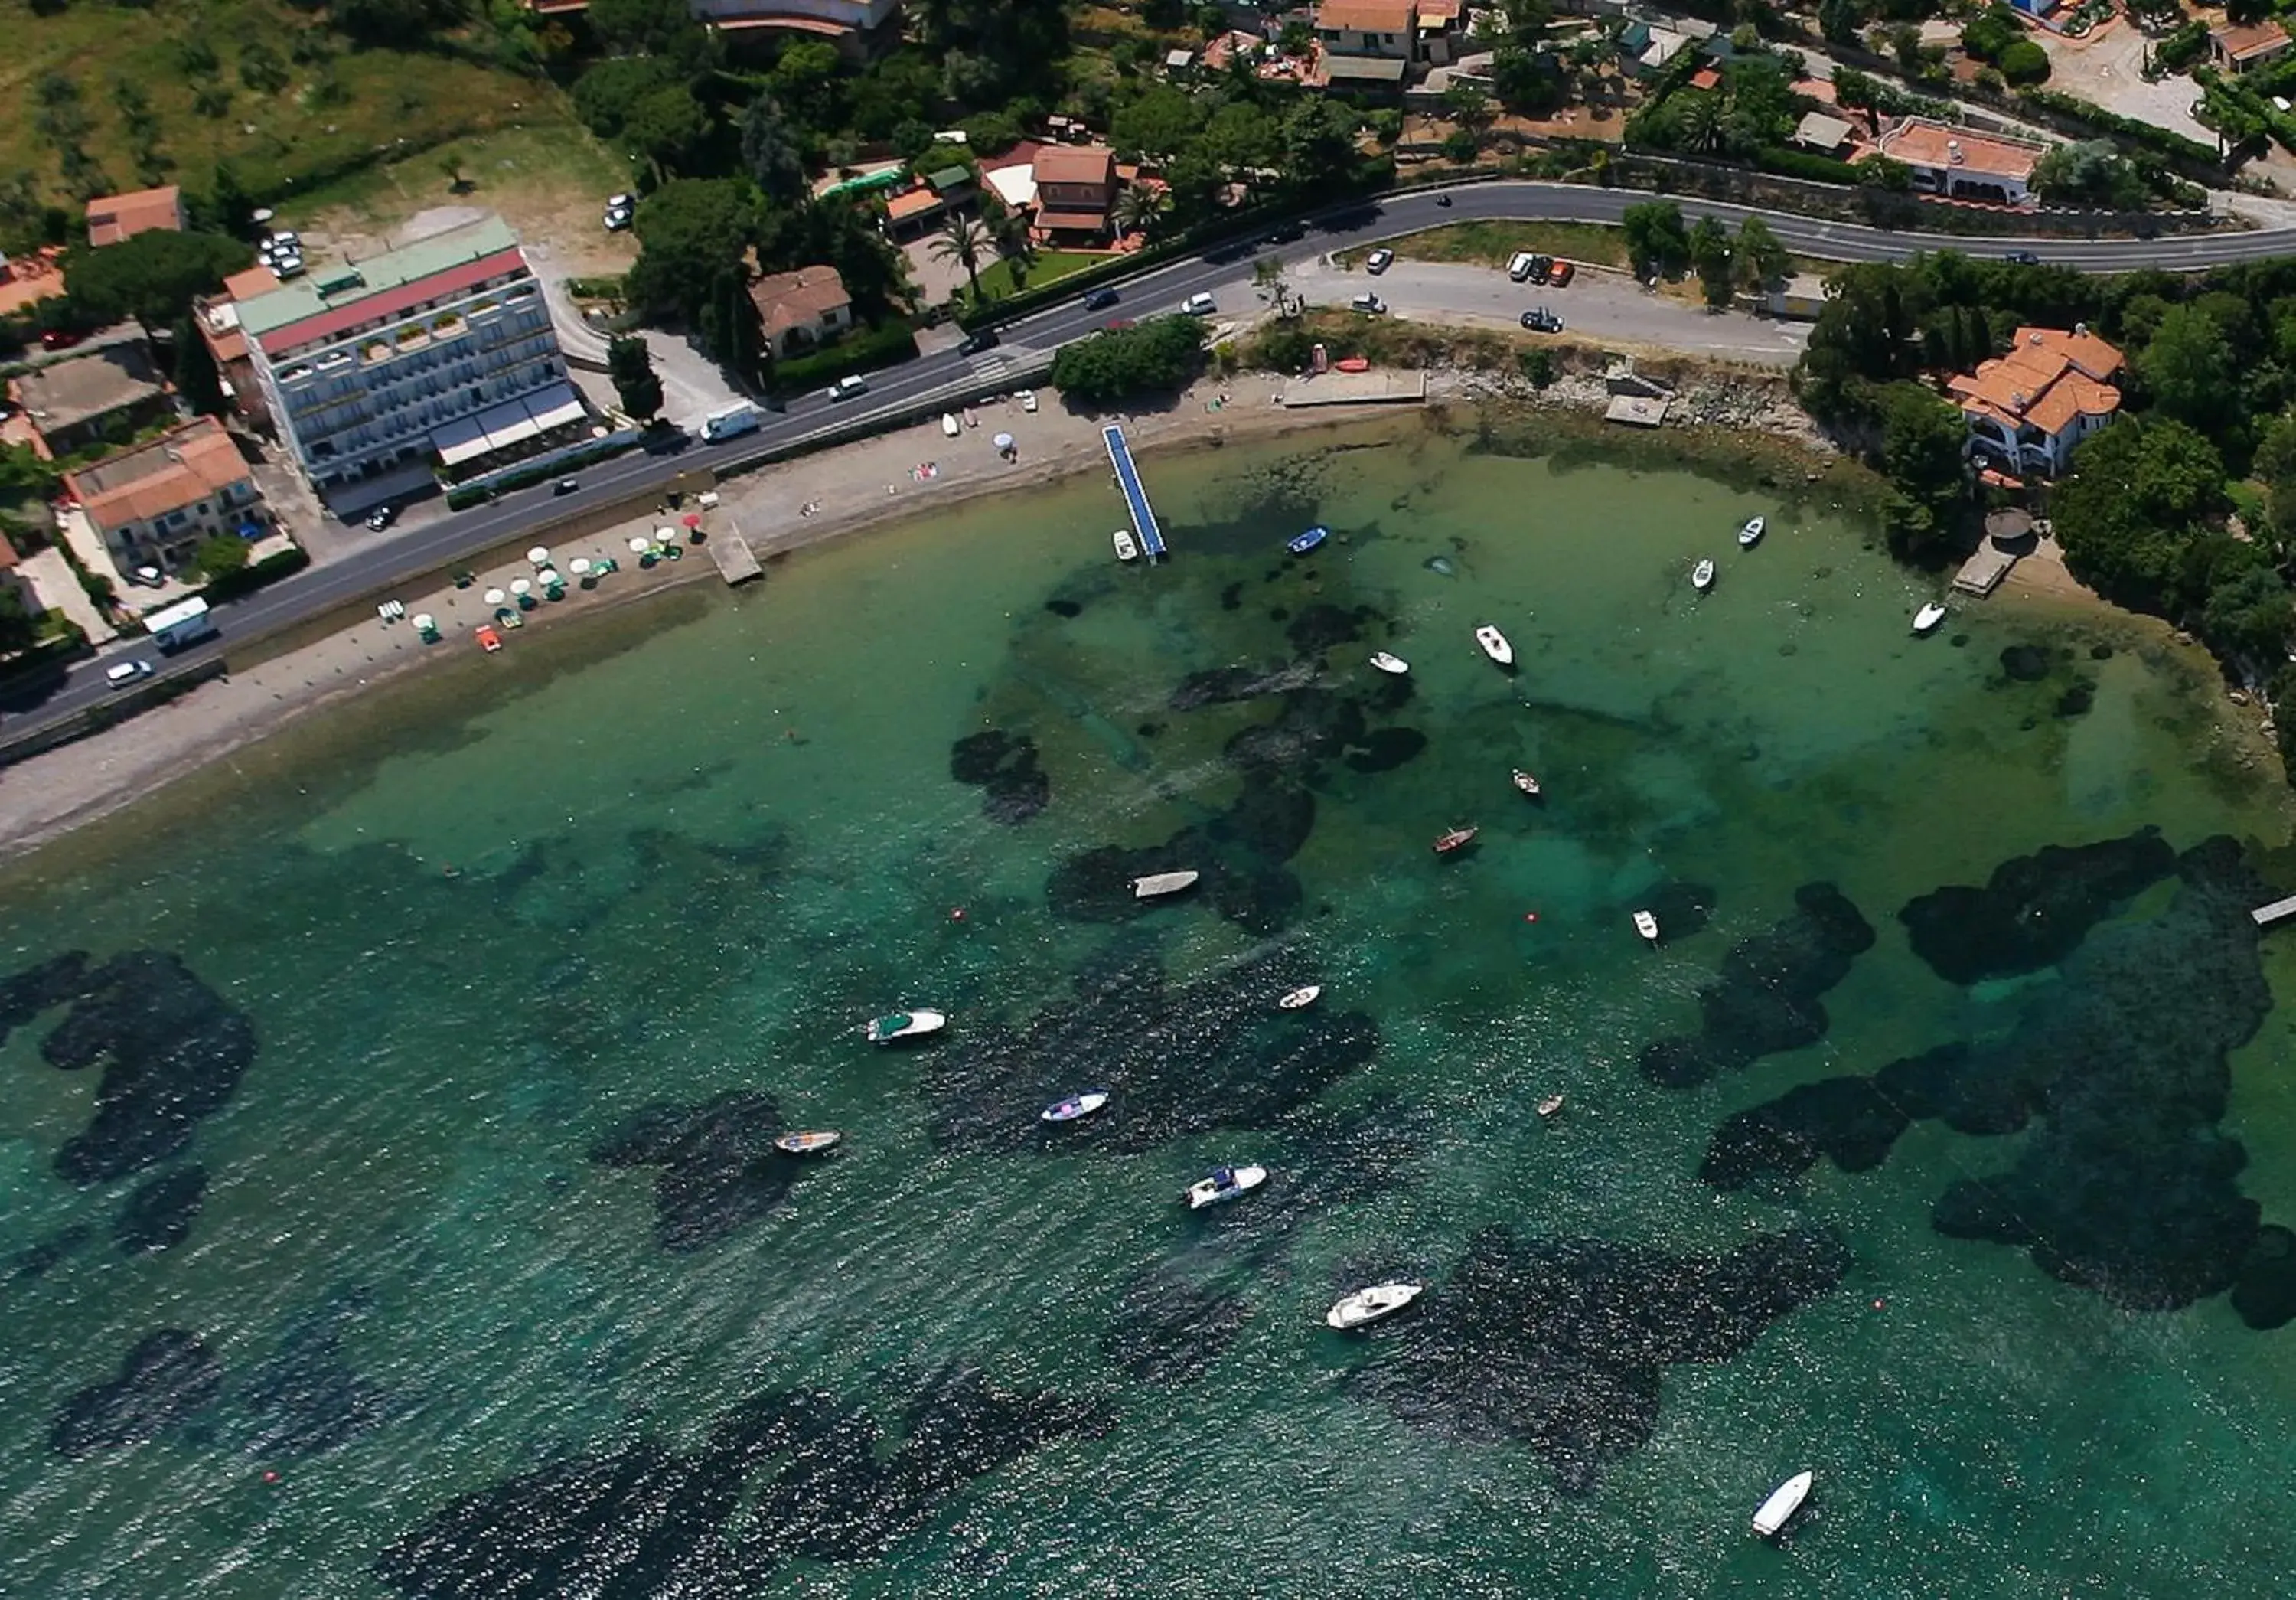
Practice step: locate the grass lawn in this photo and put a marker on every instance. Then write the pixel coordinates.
(1494, 244)
(1049, 266)
(277, 141)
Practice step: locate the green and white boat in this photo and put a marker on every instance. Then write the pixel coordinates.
(906, 1025)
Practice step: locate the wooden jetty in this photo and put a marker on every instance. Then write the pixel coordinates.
(2279, 911)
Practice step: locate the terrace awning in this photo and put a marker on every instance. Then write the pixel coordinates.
(498, 427)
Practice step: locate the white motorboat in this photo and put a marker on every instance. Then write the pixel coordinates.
(1646, 925)
(949, 425)
(819, 1143)
(1156, 883)
(1784, 1500)
(1750, 535)
(1224, 1184)
(1551, 1106)
(1527, 784)
(1385, 662)
(1495, 644)
(1367, 1306)
(1074, 1107)
(1126, 547)
(1926, 619)
(1300, 999)
(904, 1025)
(1701, 576)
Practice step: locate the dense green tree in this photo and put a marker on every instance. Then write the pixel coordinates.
(1923, 438)
(1157, 125)
(669, 130)
(1528, 82)
(197, 382)
(732, 333)
(2274, 466)
(809, 87)
(1840, 20)
(1319, 144)
(659, 27)
(406, 24)
(152, 276)
(770, 153)
(1163, 354)
(2187, 368)
(18, 629)
(835, 233)
(605, 94)
(2248, 611)
(1762, 260)
(1709, 253)
(1657, 242)
(629, 364)
(692, 233)
(2134, 508)
(2092, 172)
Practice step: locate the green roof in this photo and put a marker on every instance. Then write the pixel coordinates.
(949, 177)
(332, 288)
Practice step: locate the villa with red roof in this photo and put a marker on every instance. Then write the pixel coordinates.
(2032, 405)
(441, 352)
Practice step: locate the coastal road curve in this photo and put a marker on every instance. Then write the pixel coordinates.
(1226, 274)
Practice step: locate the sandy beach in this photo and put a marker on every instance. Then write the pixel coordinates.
(895, 475)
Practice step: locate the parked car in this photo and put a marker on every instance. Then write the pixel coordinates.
(1368, 303)
(1378, 261)
(565, 486)
(1100, 299)
(848, 386)
(618, 217)
(1539, 319)
(381, 517)
(1540, 266)
(287, 267)
(124, 673)
(60, 339)
(974, 343)
(151, 578)
(1520, 268)
(1028, 399)
(621, 202)
(1560, 274)
(1198, 305)
(1287, 232)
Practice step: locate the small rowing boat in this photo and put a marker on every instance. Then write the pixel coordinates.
(1160, 883)
(1300, 999)
(1646, 925)
(1784, 1500)
(1074, 1107)
(1926, 619)
(1527, 784)
(904, 1025)
(1394, 665)
(1367, 1306)
(1458, 839)
(1550, 1105)
(1701, 576)
(1750, 535)
(1300, 543)
(819, 1143)
(1495, 644)
(1125, 549)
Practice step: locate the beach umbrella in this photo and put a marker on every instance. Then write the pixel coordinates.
(519, 585)
(538, 555)
(495, 597)
(640, 543)
(548, 578)
(578, 565)
(424, 622)
(665, 533)
(694, 519)
(1004, 441)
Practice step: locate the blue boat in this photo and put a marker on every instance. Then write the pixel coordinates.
(1302, 543)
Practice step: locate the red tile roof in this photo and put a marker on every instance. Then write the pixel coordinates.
(1076, 164)
(117, 216)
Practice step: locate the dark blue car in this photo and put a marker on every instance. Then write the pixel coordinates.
(1100, 299)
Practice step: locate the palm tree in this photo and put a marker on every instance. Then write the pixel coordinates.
(963, 241)
(1139, 209)
(1701, 122)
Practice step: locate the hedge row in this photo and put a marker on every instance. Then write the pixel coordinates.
(270, 569)
(1804, 164)
(855, 352)
(463, 497)
(2165, 142)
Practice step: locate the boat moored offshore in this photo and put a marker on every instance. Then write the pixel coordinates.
(1163, 883)
(901, 1025)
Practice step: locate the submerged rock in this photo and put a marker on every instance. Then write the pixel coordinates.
(1845, 1119)
(784, 1476)
(159, 1215)
(719, 1170)
(1004, 764)
(306, 1400)
(2264, 1295)
(1765, 997)
(1562, 1344)
(167, 1377)
(2034, 909)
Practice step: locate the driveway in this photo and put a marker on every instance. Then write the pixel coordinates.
(1601, 306)
(2107, 68)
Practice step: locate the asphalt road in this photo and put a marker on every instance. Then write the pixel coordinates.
(1226, 275)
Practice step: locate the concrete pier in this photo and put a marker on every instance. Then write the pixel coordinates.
(737, 563)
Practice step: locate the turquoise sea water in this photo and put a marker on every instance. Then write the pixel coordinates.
(478, 1300)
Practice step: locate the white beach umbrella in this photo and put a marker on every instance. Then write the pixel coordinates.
(496, 596)
(1004, 441)
(578, 565)
(424, 622)
(538, 555)
(519, 585)
(548, 578)
(667, 535)
(640, 543)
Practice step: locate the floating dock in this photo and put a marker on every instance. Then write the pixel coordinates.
(737, 563)
(2279, 911)
(1135, 497)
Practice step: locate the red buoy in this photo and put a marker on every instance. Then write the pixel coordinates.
(1531, 917)
(957, 914)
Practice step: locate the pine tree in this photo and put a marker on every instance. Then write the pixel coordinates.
(196, 378)
(630, 364)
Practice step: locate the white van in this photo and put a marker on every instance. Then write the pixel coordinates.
(1520, 268)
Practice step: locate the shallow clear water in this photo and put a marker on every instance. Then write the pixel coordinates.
(479, 921)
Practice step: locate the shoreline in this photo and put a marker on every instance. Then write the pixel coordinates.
(794, 506)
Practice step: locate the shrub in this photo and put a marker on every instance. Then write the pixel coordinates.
(2024, 62)
(271, 569)
(1804, 164)
(1163, 353)
(855, 352)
